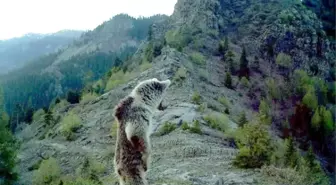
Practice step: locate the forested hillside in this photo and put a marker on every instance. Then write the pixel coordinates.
(87, 59)
(16, 52)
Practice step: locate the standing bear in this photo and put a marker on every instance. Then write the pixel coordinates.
(134, 118)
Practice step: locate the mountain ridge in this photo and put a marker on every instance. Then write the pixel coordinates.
(211, 89)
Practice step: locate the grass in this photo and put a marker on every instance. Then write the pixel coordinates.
(196, 98)
(118, 77)
(88, 97)
(219, 122)
(196, 128)
(69, 125)
(167, 128)
(197, 58)
(224, 102)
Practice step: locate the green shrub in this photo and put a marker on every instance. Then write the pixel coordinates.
(196, 128)
(277, 175)
(310, 99)
(304, 174)
(273, 88)
(60, 105)
(224, 102)
(322, 119)
(167, 128)
(88, 97)
(201, 108)
(219, 122)
(91, 169)
(185, 126)
(197, 58)
(180, 75)
(38, 115)
(244, 82)
(196, 98)
(255, 146)
(301, 81)
(284, 60)
(69, 125)
(48, 173)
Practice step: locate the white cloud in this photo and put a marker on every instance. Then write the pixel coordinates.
(18, 17)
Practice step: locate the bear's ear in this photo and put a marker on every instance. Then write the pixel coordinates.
(122, 107)
(165, 84)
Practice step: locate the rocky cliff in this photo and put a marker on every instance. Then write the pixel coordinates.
(189, 56)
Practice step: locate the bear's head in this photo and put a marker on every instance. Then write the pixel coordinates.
(151, 92)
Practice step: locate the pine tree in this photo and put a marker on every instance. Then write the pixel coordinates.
(244, 70)
(8, 150)
(229, 58)
(48, 117)
(223, 46)
(228, 80)
(316, 120)
(310, 158)
(242, 119)
(291, 154)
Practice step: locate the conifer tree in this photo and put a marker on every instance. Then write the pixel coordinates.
(48, 117)
(291, 154)
(242, 119)
(229, 59)
(310, 158)
(8, 150)
(228, 80)
(244, 70)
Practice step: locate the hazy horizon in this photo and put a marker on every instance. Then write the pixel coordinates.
(18, 17)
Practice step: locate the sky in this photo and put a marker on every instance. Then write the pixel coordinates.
(19, 17)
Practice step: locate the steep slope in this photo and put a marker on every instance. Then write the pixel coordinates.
(179, 152)
(185, 49)
(14, 53)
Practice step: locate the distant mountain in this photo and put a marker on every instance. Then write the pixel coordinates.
(85, 60)
(15, 52)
